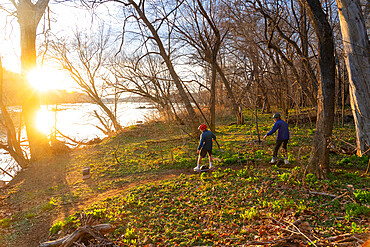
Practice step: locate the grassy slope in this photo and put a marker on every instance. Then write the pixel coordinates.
(136, 185)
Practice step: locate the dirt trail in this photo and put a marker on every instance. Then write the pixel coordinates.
(36, 186)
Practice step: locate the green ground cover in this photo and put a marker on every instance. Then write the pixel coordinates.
(232, 207)
(245, 200)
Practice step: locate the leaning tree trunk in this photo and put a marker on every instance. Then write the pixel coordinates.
(319, 159)
(357, 50)
(29, 15)
(112, 117)
(13, 145)
(166, 57)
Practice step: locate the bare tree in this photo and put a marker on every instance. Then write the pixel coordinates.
(28, 14)
(257, 25)
(146, 77)
(12, 144)
(153, 28)
(84, 59)
(277, 24)
(357, 56)
(202, 27)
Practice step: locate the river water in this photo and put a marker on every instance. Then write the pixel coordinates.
(77, 121)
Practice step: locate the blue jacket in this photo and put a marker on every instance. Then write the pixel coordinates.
(206, 140)
(282, 126)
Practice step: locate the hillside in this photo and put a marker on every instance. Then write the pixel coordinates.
(142, 183)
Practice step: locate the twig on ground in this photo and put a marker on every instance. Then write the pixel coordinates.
(336, 198)
(321, 193)
(298, 231)
(276, 241)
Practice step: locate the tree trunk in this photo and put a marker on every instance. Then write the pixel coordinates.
(29, 15)
(303, 36)
(166, 57)
(234, 103)
(319, 159)
(213, 97)
(357, 50)
(106, 110)
(13, 146)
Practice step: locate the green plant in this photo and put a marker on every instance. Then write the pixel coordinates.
(130, 236)
(362, 196)
(218, 173)
(353, 210)
(53, 202)
(56, 227)
(311, 179)
(284, 177)
(29, 215)
(343, 161)
(5, 222)
(97, 213)
(357, 228)
(249, 214)
(259, 154)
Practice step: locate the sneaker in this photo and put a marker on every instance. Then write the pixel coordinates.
(286, 161)
(273, 161)
(196, 169)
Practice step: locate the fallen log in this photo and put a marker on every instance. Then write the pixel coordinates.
(84, 232)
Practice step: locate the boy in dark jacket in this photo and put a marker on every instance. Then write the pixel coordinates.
(205, 146)
(282, 137)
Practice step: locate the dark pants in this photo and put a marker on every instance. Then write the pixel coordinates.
(203, 153)
(277, 146)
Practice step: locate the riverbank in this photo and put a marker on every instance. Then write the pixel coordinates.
(77, 122)
(143, 184)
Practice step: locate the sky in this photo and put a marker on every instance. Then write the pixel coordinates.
(64, 18)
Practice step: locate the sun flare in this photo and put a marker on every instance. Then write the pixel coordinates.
(45, 120)
(47, 78)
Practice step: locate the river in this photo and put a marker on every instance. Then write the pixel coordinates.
(77, 122)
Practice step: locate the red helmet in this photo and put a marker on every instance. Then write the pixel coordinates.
(202, 127)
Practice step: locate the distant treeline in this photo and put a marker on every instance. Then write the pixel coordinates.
(13, 92)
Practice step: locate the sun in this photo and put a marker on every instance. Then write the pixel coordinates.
(47, 78)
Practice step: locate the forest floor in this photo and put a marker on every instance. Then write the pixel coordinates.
(142, 183)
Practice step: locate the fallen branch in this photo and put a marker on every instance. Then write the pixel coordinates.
(298, 231)
(321, 193)
(337, 238)
(83, 232)
(342, 240)
(336, 198)
(276, 242)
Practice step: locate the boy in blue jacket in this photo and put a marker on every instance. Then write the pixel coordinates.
(205, 146)
(282, 138)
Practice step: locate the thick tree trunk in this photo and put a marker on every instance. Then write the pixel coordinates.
(357, 50)
(29, 15)
(319, 159)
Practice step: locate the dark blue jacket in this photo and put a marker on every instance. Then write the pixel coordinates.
(282, 126)
(206, 140)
